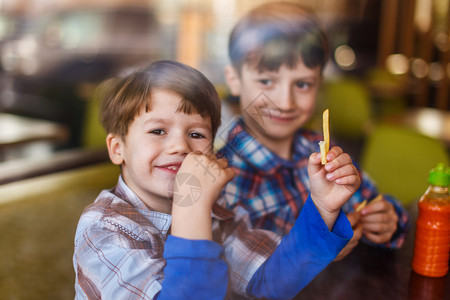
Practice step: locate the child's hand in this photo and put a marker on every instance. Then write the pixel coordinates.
(333, 184)
(379, 221)
(354, 219)
(211, 174)
(198, 184)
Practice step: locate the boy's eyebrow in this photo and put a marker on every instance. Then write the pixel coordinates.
(165, 120)
(274, 74)
(198, 124)
(155, 120)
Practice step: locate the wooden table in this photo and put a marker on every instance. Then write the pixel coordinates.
(374, 273)
(428, 121)
(17, 132)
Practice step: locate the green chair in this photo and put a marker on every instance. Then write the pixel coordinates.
(399, 159)
(93, 134)
(350, 108)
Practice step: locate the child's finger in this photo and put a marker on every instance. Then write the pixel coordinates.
(229, 174)
(357, 232)
(376, 218)
(222, 163)
(315, 163)
(348, 180)
(334, 152)
(353, 218)
(195, 152)
(345, 171)
(377, 238)
(378, 206)
(342, 160)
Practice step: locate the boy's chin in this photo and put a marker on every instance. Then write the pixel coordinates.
(170, 190)
(275, 134)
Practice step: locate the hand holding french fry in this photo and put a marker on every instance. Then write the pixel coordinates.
(332, 184)
(378, 220)
(332, 175)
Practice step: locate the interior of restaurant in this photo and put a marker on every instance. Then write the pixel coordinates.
(387, 86)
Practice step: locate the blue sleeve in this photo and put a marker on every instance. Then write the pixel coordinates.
(194, 270)
(301, 255)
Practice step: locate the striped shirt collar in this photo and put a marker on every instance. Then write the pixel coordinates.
(162, 221)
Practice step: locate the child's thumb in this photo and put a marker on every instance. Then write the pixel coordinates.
(314, 163)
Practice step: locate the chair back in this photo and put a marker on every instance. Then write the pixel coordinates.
(350, 108)
(399, 160)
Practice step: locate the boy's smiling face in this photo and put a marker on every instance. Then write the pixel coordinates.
(286, 104)
(155, 146)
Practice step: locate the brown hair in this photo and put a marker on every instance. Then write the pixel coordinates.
(275, 34)
(125, 97)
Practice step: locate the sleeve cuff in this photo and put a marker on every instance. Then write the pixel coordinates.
(342, 230)
(177, 247)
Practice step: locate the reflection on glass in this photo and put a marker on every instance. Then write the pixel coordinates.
(397, 64)
(422, 16)
(419, 68)
(436, 72)
(345, 57)
(429, 123)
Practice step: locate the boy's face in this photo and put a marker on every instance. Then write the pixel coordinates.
(275, 104)
(155, 146)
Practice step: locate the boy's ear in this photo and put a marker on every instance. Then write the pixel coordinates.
(233, 80)
(114, 145)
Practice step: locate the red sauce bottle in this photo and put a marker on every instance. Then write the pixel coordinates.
(432, 241)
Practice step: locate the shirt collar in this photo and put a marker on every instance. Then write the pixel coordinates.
(162, 221)
(252, 151)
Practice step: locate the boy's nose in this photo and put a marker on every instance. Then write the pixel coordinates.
(285, 99)
(178, 145)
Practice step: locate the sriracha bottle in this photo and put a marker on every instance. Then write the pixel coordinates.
(432, 241)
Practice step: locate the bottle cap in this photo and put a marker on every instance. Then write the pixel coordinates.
(439, 176)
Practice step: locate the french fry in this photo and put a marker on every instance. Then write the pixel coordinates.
(323, 152)
(325, 144)
(361, 206)
(377, 198)
(364, 203)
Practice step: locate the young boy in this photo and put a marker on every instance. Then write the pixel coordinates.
(277, 53)
(159, 234)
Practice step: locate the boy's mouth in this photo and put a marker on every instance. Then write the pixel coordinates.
(172, 167)
(282, 118)
(278, 116)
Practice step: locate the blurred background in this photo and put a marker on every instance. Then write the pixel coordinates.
(386, 85)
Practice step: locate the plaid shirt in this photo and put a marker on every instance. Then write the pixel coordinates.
(273, 190)
(123, 251)
(118, 236)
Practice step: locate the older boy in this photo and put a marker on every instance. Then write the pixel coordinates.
(158, 233)
(277, 54)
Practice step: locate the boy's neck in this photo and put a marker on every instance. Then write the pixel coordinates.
(164, 206)
(281, 147)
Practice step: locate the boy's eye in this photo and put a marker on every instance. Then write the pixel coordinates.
(265, 81)
(303, 85)
(157, 131)
(197, 135)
